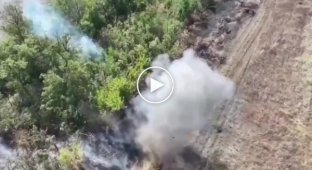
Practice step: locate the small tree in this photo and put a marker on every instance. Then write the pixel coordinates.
(14, 23)
(114, 96)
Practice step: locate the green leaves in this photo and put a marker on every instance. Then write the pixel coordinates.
(63, 92)
(10, 119)
(50, 80)
(114, 96)
(52, 92)
(55, 84)
(134, 43)
(14, 24)
(94, 15)
(73, 9)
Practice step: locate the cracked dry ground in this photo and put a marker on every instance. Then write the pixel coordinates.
(269, 125)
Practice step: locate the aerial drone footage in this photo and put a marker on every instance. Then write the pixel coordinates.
(155, 84)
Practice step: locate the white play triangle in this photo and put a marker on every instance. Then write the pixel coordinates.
(155, 85)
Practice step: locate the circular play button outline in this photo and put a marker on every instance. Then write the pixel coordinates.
(138, 82)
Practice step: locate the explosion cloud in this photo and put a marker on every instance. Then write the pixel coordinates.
(199, 92)
(165, 129)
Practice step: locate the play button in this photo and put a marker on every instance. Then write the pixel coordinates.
(157, 86)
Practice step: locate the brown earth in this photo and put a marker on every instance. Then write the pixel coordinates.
(269, 124)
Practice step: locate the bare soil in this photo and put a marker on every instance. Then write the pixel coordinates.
(269, 124)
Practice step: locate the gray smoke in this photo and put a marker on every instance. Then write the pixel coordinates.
(48, 22)
(199, 92)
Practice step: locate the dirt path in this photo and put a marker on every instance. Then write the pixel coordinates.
(269, 125)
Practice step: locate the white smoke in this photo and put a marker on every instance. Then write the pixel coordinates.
(6, 154)
(47, 22)
(199, 92)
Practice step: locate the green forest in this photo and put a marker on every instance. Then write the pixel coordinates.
(49, 89)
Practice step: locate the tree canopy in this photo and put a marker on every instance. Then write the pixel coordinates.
(46, 85)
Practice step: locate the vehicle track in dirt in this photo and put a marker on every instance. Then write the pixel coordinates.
(268, 125)
(238, 61)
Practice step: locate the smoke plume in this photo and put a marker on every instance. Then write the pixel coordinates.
(162, 131)
(199, 92)
(47, 22)
(6, 154)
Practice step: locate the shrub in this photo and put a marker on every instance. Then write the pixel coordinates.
(71, 158)
(114, 96)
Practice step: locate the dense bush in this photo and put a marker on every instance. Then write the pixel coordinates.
(49, 79)
(93, 15)
(71, 158)
(135, 42)
(47, 88)
(53, 82)
(114, 95)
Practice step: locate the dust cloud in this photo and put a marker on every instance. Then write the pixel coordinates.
(199, 92)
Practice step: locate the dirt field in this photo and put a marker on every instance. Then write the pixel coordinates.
(269, 125)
